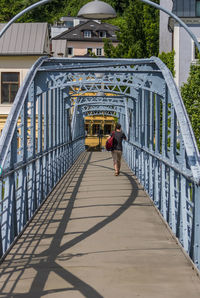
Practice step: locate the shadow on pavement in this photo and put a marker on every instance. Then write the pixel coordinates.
(24, 254)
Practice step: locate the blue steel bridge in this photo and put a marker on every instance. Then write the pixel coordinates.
(43, 139)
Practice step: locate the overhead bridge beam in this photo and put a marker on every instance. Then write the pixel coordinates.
(101, 113)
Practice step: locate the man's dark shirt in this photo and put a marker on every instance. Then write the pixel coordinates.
(117, 142)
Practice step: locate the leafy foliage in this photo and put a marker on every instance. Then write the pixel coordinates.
(49, 12)
(9, 8)
(190, 92)
(119, 5)
(151, 29)
(45, 13)
(168, 59)
(139, 30)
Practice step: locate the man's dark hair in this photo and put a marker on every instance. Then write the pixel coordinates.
(118, 126)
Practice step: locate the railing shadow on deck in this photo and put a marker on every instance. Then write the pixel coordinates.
(44, 263)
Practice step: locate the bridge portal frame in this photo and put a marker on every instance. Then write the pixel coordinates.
(44, 134)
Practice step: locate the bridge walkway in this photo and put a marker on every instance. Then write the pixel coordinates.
(97, 235)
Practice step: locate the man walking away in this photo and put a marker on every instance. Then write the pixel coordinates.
(119, 136)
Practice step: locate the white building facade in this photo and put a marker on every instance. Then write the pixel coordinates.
(20, 47)
(173, 36)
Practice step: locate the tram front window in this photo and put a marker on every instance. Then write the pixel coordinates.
(95, 129)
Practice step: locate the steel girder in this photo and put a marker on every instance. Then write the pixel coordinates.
(99, 105)
(98, 108)
(102, 108)
(107, 100)
(45, 128)
(102, 113)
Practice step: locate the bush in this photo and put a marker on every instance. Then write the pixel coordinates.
(190, 92)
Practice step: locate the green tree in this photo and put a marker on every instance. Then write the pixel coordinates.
(46, 13)
(190, 92)
(168, 59)
(9, 8)
(51, 11)
(119, 5)
(139, 32)
(151, 29)
(109, 49)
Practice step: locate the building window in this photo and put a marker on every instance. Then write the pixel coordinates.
(87, 33)
(102, 34)
(69, 51)
(9, 86)
(89, 51)
(198, 8)
(99, 51)
(68, 24)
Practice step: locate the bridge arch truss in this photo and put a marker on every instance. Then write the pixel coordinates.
(44, 135)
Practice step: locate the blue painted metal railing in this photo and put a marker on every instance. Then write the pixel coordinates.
(163, 154)
(44, 134)
(36, 149)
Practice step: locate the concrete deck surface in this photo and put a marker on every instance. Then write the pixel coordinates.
(98, 235)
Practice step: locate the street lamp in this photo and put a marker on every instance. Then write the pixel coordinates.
(88, 11)
(97, 10)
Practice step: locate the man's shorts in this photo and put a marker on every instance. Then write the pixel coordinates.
(116, 155)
